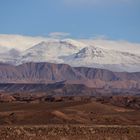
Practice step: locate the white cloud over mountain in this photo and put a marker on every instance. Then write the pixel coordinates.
(18, 41)
(58, 34)
(97, 52)
(24, 42)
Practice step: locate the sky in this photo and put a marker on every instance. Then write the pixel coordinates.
(113, 19)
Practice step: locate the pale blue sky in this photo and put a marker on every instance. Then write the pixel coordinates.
(114, 19)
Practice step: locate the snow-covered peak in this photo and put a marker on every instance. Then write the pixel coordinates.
(74, 43)
(60, 43)
(90, 52)
(105, 59)
(122, 46)
(49, 51)
(57, 47)
(106, 54)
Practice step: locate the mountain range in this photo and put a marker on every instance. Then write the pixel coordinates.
(76, 53)
(47, 73)
(101, 67)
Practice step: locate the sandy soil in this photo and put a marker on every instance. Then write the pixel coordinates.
(68, 121)
(70, 132)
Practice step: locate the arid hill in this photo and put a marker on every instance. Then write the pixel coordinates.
(51, 73)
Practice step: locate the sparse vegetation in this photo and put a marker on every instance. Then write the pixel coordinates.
(46, 117)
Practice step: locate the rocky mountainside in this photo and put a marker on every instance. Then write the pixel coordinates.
(51, 73)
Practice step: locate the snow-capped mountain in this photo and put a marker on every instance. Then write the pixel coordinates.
(50, 51)
(105, 59)
(77, 53)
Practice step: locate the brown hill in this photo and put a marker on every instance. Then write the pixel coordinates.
(51, 73)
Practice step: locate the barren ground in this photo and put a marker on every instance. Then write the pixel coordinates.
(73, 120)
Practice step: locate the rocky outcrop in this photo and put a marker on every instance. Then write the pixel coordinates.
(6, 98)
(51, 73)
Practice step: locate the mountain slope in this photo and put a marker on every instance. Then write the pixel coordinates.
(104, 59)
(51, 73)
(37, 72)
(49, 51)
(77, 53)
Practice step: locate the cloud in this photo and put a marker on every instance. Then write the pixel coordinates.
(118, 45)
(19, 42)
(24, 42)
(58, 35)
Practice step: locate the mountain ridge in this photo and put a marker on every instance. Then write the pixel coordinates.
(51, 73)
(77, 54)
